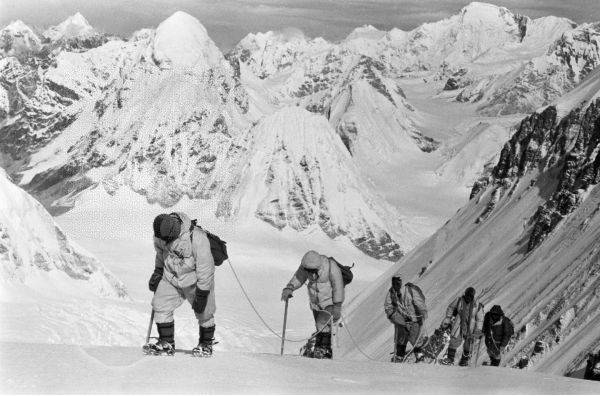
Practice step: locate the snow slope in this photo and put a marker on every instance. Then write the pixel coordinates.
(73, 369)
(35, 252)
(297, 173)
(527, 240)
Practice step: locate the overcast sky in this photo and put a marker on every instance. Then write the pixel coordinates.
(228, 21)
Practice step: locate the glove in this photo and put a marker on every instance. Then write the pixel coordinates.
(155, 279)
(337, 311)
(200, 300)
(397, 319)
(446, 323)
(477, 333)
(286, 293)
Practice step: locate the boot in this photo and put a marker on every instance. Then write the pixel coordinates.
(165, 345)
(400, 353)
(464, 360)
(205, 342)
(323, 346)
(449, 359)
(494, 362)
(419, 355)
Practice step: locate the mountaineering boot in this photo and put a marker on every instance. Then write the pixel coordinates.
(400, 354)
(205, 342)
(464, 360)
(308, 349)
(494, 362)
(323, 346)
(419, 355)
(449, 359)
(165, 345)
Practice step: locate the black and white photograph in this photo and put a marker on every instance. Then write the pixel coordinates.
(299, 197)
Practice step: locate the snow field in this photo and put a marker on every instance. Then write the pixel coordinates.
(43, 368)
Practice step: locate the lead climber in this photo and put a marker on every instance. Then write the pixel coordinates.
(184, 270)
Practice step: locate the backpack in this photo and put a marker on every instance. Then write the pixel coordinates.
(418, 299)
(346, 271)
(218, 247)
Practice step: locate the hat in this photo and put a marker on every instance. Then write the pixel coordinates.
(469, 291)
(156, 224)
(170, 227)
(496, 310)
(311, 260)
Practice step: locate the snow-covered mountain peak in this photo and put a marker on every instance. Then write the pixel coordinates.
(74, 27)
(368, 32)
(17, 26)
(490, 18)
(482, 11)
(298, 174)
(181, 41)
(16, 38)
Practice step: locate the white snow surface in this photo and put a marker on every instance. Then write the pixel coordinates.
(41, 368)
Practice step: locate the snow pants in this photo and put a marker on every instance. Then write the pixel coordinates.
(408, 333)
(168, 298)
(323, 319)
(456, 341)
(494, 353)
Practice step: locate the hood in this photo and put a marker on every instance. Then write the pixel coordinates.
(312, 260)
(496, 310)
(186, 223)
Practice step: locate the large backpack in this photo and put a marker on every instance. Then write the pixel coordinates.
(418, 299)
(346, 271)
(218, 247)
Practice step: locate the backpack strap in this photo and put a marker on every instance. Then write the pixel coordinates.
(193, 225)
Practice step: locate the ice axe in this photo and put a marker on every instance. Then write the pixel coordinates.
(284, 324)
(477, 354)
(150, 327)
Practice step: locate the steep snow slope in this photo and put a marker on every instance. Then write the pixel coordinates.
(124, 370)
(528, 240)
(35, 252)
(297, 173)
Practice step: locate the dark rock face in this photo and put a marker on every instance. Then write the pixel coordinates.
(425, 143)
(451, 84)
(522, 20)
(568, 147)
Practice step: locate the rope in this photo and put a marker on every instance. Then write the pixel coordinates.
(422, 327)
(356, 343)
(237, 278)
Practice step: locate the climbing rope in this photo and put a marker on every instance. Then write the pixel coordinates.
(264, 322)
(356, 343)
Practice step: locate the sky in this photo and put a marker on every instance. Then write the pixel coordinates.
(228, 21)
